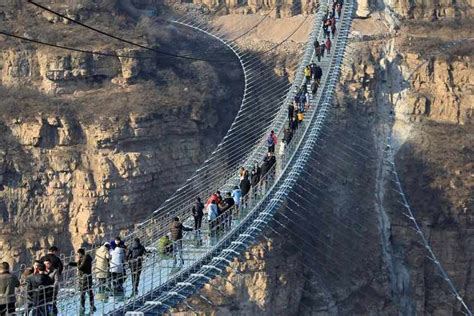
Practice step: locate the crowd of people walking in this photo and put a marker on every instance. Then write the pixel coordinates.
(40, 283)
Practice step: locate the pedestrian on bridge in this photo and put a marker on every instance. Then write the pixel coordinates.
(236, 195)
(328, 45)
(39, 287)
(53, 257)
(303, 99)
(307, 74)
(323, 48)
(272, 141)
(198, 213)
(291, 110)
(319, 51)
(294, 122)
(245, 184)
(117, 269)
(101, 269)
(84, 272)
(212, 215)
(54, 275)
(177, 229)
(255, 176)
(333, 28)
(8, 283)
(287, 136)
(135, 261)
(228, 202)
(318, 74)
(316, 44)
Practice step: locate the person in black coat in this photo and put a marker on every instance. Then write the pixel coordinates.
(318, 74)
(265, 165)
(135, 257)
(198, 213)
(53, 257)
(245, 184)
(255, 176)
(84, 268)
(291, 110)
(40, 289)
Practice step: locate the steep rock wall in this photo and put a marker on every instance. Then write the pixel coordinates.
(70, 183)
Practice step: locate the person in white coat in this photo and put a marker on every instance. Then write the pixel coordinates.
(117, 269)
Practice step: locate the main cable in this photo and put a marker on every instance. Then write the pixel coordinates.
(125, 40)
(70, 48)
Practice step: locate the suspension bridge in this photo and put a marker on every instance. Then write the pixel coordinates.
(209, 251)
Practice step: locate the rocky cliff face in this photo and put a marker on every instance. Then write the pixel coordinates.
(60, 72)
(78, 181)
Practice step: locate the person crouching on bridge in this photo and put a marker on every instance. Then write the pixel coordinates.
(177, 229)
(84, 268)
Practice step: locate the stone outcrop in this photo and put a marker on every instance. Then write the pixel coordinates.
(62, 72)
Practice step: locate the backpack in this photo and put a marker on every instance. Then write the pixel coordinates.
(164, 246)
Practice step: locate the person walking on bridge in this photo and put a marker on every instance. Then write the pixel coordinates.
(101, 269)
(316, 44)
(135, 260)
(54, 275)
(84, 268)
(271, 141)
(307, 74)
(117, 269)
(8, 283)
(319, 51)
(53, 257)
(177, 229)
(333, 28)
(39, 287)
(236, 195)
(328, 45)
(198, 213)
(318, 74)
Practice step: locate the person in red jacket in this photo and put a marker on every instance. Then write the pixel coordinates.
(328, 45)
